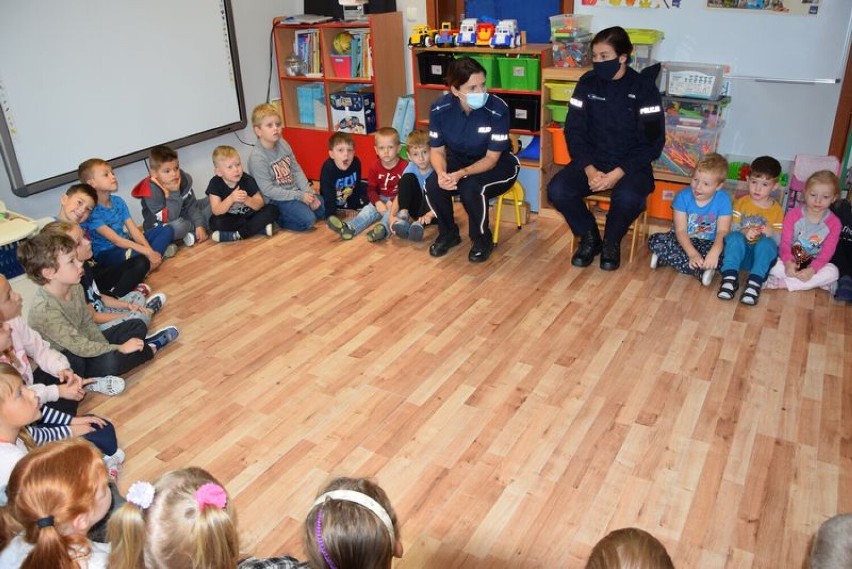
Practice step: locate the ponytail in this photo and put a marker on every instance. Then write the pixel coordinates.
(126, 534)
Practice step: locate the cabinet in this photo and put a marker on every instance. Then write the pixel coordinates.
(384, 47)
(521, 89)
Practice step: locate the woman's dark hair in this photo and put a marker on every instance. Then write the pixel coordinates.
(615, 37)
(460, 70)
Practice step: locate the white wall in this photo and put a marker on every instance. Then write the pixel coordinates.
(253, 21)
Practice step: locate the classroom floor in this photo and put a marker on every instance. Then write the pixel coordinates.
(515, 411)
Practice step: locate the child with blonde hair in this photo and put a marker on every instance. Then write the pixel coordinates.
(809, 238)
(629, 548)
(56, 494)
(352, 525)
(184, 520)
(702, 219)
(412, 209)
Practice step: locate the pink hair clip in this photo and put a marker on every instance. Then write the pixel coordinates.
(211, 494)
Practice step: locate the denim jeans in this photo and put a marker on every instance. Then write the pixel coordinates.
(370, 215)
(296, 215)
(158, 237)
(756, 258)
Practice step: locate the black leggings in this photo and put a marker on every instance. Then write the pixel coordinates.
(114, 362)
(411, 197)
(120, 279)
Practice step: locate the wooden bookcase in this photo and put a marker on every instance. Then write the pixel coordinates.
(309, 142)
(427, 93)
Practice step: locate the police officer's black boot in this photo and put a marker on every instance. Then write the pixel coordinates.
(590, 245)
(610, 256)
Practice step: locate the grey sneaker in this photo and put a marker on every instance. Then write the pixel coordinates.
(109, 385)
(415, 232)
(189, 239)
(170, 251)
(225, 236)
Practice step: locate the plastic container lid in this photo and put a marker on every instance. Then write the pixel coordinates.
(644, 35)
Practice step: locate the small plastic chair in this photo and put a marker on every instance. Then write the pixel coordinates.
(516, 194)
(638, 228)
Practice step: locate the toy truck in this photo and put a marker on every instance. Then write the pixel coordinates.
(421, 36)
(506, 34)
(446, 36)
(467, 32)
(484, 32)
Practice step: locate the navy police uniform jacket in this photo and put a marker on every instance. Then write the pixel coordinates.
(467, 137)
(616, 123)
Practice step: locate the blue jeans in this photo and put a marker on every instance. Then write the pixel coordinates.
(370, 215)
(158, 237)
(296, 215)
(756, 258)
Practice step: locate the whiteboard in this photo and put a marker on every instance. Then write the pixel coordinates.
(755, 43)
(110, 79)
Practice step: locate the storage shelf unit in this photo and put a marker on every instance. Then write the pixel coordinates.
(386, 84)
(426, 93)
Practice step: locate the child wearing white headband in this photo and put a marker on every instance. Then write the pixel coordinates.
(352, 525)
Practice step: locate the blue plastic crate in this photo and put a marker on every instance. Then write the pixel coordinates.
(306, 95)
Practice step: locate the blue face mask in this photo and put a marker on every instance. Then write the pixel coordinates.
(607, 70)
(476, 100)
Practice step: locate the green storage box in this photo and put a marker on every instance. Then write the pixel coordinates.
(520, 73)
(492, 72)
(557, 111)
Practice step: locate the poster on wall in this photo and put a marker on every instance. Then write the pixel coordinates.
(634, 3)
(793, 7)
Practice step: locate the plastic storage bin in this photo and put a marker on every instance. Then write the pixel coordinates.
(432, 66)
(697, 80)
(645, 42)
(519, 73)
(558, 111)
(561, 91)
(523, 111)
(569, 25)
(573, 52)
(708, 112)
(305, 96)
(341, 65)
(686, 145)
(492, 71)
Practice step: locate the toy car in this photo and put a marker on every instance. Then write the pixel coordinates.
(484, 31)
(446, 36)
(421, 36)
(467, 32)
(506, 34)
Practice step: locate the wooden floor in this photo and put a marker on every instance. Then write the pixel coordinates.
(514, 411)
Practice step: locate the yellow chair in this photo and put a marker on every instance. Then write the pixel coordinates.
(638, 228)
(516, 194)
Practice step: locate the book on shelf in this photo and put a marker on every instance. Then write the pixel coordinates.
(306, 47)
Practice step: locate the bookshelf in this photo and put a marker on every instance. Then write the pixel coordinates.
(375, 58)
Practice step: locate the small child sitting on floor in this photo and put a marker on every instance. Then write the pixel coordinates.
(702, 218)
(412, 209)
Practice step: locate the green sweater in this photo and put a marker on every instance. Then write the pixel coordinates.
(68, 325)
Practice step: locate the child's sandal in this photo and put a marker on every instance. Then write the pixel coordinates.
(751, 294)
(728, 288)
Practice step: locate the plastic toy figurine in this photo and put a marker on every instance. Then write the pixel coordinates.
(421, 36)
(446, 36)
(467, 32)
(506, 34)
(484, 32)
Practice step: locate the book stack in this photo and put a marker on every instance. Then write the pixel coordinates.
(306, 47)
(360, 54)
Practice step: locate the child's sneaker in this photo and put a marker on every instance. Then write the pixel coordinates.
(114, 463)
(109, 385)
(268, 230)
(707, 276)
(162, 338)
(340, 227)
(189, 239)
(415, 232)
(156, 302)
(225, 236)
(400, 228)
(144, 289)
(170, 251)
(377, 233)
(655, 260)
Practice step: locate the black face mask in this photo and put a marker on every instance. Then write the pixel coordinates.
(607, 70)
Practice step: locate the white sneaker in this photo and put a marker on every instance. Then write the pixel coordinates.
(156, 302)
(114, 463)
(170, 251)
(707, 276)
(654, 260)
(269, 230)
(109, 385)
(189, 239)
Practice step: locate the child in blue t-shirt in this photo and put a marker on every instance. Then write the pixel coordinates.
(115, 236)
(412, 211)
(702, 218)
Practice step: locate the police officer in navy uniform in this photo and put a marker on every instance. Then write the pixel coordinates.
(471, 155)
(615, 128)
